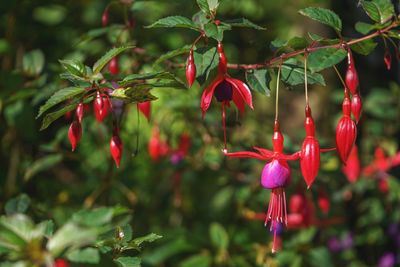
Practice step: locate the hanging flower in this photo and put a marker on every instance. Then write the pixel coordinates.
(352, 168)
(116, 147)
(157, 147)
(275, 176)
(226, 89)
(145, 109)
(351, 74)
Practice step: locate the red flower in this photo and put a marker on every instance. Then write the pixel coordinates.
(351, 74)
(356, 106)
(60, 263)
(157, 148)
(74, 134)
(190, 69)
(226, 89)
(275, 176)
(352, 167)
(101, 106)
(381, 163)
(116, 147)
(145, 108)
(324, 203)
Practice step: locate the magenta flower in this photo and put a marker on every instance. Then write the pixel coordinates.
(226, 89)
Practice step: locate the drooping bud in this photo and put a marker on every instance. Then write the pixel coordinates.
(145, 108)
(113, 66)
(60, 263)
(190, 69)
(352, 168)
(387, 58)
(351, 74)
(104, 18)
(79, 112)
(74, 134)
(356, 106)
(116, 147)
(310, 151)
(101, 107)
(346, 131)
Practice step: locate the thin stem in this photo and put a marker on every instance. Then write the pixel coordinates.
(340, 76)
(136, 151)
(305, 79)
(277, 93)
(197, 39)
(224, 125)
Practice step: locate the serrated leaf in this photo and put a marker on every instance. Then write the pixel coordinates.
(103, 61)
(365, 47)
(206, 60)
(213, 31)
(75, 67)
(86, 255)
(95, 217)
(259, 80)
(33, 62)
(146, 76)
(200, 18)
(174, 21)
(60, 96)
(380, 11)
(42, 164)
(324, 16)
(293, 74)
(219, 236)
(173, 53)
(325, 58)
(19, 204)
(364, 28)
(147, 238)
(203, 5)
(128, 261)
(242, 22)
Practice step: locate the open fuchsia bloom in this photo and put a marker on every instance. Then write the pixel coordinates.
(276, 176)
(226, 89)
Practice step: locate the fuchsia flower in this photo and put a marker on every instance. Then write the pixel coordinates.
(276, 176)
(145, 109)
(226, 89)
(352, 168)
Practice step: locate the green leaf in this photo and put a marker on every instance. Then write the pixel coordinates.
(147, 238)
(103, 61)
(203, 5)
(278, 43)
(320, 257)
(95, 217)
(174, 21)
(259, 80)
(197, 261)
(324, 16)
(70, 236)
(160, 254)
(325, 58)
(86, 255)
(60, 96)
(19, 204)
(219, 237)
(206, 60)
(297, 42)
(173, 53)
(213, 5)
(213, 31)
(364, 28)
(380, 11)
(130, 79)
(42, 164)
(33, 62)
(128, 261)
(74, 67)
(293, 74)
(136, 94)
(242, 22)
(365, 47)
(200, 18)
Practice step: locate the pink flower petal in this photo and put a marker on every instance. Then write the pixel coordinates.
(209, 92)
(243, 90)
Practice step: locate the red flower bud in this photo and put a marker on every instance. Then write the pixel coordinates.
(101, 107)
(74, 134)
(356, 106)
(157, 148)
(383, 185)
(310, 151)
(113, 66)
(79, 112)
(145, 108)
(190, 69)
(346, 131)
(60, 263)
(351, 74)
(387, 58)
(116, 147)
(104, 17)
(352, 168)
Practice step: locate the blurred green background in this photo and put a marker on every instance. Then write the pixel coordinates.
(204, 206)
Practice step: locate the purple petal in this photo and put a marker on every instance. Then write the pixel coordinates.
(275, 174)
